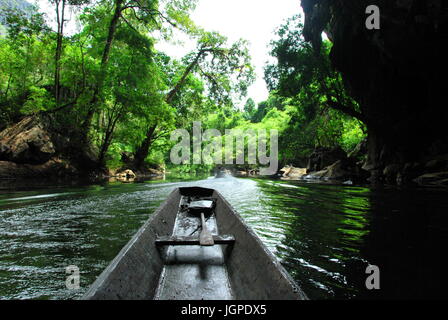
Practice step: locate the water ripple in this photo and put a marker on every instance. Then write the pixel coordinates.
(325, 235)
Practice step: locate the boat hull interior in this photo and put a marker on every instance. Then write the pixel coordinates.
(237, 266)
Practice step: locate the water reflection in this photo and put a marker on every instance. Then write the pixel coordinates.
(323, 229)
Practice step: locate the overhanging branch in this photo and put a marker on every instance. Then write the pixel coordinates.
(347, 110)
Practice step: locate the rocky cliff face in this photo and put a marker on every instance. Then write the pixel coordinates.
(396, 73)
(26, 142)
(27, 150)
(31, 149)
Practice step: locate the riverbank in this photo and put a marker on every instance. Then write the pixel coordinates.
(31, 149)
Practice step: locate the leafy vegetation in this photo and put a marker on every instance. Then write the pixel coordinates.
(322, 112)
(109, 90)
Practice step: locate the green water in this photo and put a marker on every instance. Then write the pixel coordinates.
(325, 235)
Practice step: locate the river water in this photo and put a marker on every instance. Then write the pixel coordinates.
(325, 235)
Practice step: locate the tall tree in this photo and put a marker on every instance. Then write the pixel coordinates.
(302, 71)
(147, 13)
(60, 9)
(226, 70)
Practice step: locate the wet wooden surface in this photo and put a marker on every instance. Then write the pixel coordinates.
(194, 272)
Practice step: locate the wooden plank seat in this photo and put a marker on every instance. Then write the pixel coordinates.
(191, 240)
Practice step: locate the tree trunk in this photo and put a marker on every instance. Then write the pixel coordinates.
(187, 71)
(108, 139)
(143, 150)
(104, 147)
(7, 87)
(57, 74)
(85, 128)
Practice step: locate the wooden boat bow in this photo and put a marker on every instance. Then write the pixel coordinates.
(165, 259)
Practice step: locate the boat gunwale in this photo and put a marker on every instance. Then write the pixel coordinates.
(273, 259)
(100, 284)
(100, 280)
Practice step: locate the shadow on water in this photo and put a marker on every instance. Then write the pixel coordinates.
(332, 233)
(323, 229)
(325, 235)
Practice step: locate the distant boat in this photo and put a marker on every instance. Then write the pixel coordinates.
(195, 246)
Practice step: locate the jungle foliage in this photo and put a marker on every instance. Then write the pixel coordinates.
(109, 89)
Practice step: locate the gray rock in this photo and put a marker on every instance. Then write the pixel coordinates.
(433, 179)
(359, 153)
(26, 142)
(336, 171)
(324, 157)
(292, 172)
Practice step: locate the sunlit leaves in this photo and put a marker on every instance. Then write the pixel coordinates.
(316, 91)
(38, 99)
(111, 74)
(226, 69)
